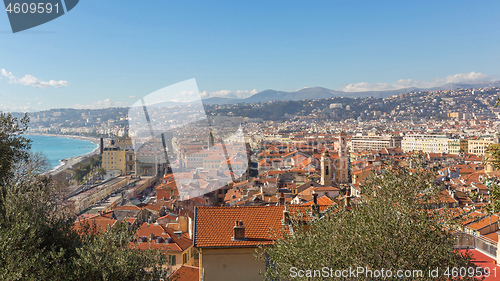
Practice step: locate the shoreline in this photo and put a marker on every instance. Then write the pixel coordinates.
(68, 163)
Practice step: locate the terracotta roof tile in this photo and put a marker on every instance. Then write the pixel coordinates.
(484, 222)
(176, 243)
(214, 225)
(96, 223)
(185, 273)
(322, 201)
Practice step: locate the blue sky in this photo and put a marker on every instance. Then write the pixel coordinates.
(109, 53)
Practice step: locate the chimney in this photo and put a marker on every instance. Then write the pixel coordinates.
(239, 231)
(102, 146)
(286, 216)
(281, 200)
(315, 206)
(347, 201)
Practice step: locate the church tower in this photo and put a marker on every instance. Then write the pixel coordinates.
(326, 169)
(342, 167)
(211, 141)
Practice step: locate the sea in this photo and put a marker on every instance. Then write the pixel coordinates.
(58, 148)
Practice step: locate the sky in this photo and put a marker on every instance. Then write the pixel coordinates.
(113, 52)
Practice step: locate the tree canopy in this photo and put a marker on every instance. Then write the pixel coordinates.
(37, 238)
(390, 227)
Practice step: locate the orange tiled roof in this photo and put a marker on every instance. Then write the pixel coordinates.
(185, 273)
(322, 201)
(128, 207)
(97, 223)
(214, 225)
(484, 222)
(176, 244)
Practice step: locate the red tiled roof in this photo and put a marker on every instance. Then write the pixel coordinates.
(185, 273)
(96, 223)
(214, 225)
(484, 222)
(177, 244)
(483, 261)
(326, 188)
(127, 207)
(322, 201)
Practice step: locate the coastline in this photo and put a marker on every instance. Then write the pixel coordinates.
(68, 163)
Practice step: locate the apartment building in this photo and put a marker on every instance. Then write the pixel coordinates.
(457, 146)
(479, 146)
(362, 143)
(426, 143)
(113, 159)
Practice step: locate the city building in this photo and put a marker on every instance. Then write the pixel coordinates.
(425, 143)
(114, 161)
(479, 146)
(457, 146)
(374, 142)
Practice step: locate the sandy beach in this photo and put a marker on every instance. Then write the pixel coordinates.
(70, 162)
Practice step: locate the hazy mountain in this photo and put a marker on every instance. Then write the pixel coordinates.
(219, 100)
(323, 93)
(478, 84)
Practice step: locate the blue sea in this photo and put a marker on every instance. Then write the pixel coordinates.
(58, 148)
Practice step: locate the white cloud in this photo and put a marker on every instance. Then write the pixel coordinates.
(132, 97)
(107, 103)
(402, 83)
(14, 107)
(239, 94)
(30, 80)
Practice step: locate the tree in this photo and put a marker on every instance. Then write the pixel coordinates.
(389, 228)
(37, 237)
(13, 146)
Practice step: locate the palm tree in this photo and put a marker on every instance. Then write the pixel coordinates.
(101, 172)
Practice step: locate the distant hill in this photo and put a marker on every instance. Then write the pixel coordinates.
(324, 93)
(219, 100)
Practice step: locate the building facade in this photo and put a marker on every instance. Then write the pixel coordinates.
(362, 143)
(113, 159)
(479, 147)
(425, 143)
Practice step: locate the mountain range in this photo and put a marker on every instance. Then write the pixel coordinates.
(324, 93)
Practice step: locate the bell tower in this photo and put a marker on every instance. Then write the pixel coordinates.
(342, 169)
(326, 169)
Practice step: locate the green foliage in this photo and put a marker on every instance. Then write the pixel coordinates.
(37, 238)
(110, 256)
(13, 147)
(83, 170)
(494, 195)
(387, 229)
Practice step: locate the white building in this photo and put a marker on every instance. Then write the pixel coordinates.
(425, 143)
